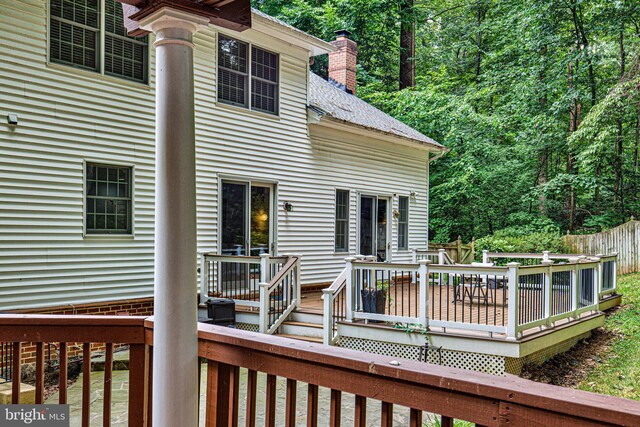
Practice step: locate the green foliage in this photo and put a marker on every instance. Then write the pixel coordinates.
(618, 373)
(503, 84)
(520, 239)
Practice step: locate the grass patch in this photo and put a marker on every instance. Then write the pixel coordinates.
(619, 372)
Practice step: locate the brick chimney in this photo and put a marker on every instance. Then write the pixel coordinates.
(342, 62)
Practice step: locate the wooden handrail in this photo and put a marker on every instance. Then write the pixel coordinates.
(338, 283)
(481, 398)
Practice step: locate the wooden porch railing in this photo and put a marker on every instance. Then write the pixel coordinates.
(450, 393)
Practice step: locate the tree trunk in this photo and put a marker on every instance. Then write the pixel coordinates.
(407, 44)
(618, 199)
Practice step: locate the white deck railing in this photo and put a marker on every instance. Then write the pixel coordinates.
(269, 284)
(481, 298)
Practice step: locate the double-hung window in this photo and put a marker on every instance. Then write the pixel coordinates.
(247, 76)
(90, 34)
(108, 199)
(403, 223)
(342, 221)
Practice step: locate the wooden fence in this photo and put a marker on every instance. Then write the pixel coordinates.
(623, 239)
(458, 252)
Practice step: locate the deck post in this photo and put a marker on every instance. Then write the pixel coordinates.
(441, 254)
(327, 320)
(574, 287)
(485, 256)
(265, 267)
(264, 308)
(298, 282)
(597, 282)
(423, 271)
(350, 289)
(175, 396)
(547, 283)
(514, 296)
(614, 272)
(204, 278)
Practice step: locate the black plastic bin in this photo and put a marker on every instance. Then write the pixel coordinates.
(221, 311)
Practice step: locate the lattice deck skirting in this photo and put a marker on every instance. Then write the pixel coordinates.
(248, 327)
(514, 365)
(487, 363)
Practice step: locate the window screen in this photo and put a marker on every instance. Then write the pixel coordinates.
(74, 32)
(342, 221)
(264, 80)
(108, 199)
(232, 71)
(124, 56)
(403, 223)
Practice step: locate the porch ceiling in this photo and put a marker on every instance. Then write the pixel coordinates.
(232, 14)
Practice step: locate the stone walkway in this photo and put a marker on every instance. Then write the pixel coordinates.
(120, 395)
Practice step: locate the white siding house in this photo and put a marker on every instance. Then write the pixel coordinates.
(70, 120)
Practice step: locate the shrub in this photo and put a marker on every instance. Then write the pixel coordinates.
(514, 240)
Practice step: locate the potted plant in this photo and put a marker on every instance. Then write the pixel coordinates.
(375, 299)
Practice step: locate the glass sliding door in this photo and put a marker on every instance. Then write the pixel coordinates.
(367, 235)
(234, 218)
(246, 220)
(374, 227)
(260, 211)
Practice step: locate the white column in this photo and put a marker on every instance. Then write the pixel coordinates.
(175, 351)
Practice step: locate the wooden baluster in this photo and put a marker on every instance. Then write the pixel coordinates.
(415, 418)
(312, 406)
(138, 384)
(108, 376)
(270, 417)
(252, 381)
(386, 418)
(62, 379)
(16, 375)
(336, 406)
(446, 421)
(235, 393)
(150, 387)
(86, 384)
(39, 373)
(218, 394)
(290, 411)
(360, 416)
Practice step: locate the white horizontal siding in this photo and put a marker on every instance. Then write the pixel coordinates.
(67, 116)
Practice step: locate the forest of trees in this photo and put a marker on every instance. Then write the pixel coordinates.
(538, 102)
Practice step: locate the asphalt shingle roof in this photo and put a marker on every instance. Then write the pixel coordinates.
(326, 99)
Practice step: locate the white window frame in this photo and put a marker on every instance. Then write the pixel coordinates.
(249, 106)
(335, 221)
(406, 247)
(84, 199)
(99, 71)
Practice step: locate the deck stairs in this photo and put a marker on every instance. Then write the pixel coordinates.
(305, 325)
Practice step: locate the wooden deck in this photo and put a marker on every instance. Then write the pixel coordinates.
(442, 305)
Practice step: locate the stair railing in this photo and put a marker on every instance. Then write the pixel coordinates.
(280, 296)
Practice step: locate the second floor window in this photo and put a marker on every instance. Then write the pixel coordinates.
(247, 76)
(76, 28)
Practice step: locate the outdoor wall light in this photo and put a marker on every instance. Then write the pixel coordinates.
(12, 119)
(288, 207)
(413, 194)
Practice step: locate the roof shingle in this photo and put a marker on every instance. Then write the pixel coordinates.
(327, 99)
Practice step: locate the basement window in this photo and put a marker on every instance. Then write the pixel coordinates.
(248, 76)
(108, 199)
(76, 29)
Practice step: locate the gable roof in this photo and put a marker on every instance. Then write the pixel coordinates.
(328, 100)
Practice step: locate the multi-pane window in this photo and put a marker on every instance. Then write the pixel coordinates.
(237, 80)
(342, 221)
(76, 32)
(403, 223)
(108, 199)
